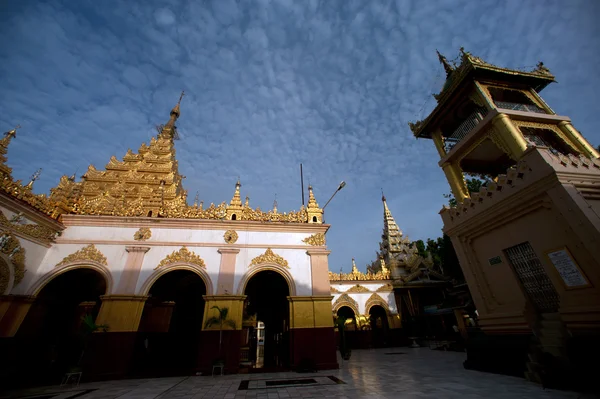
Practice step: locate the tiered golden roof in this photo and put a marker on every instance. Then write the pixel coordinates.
(146, 183)
(357, 275)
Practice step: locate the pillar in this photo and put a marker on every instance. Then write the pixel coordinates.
(578, 140)
(510, 135)
(235, 304)
(13, 309)
(456, 180)
(319, 267)
(438, 140)
(122, 313)
(226, 270)
(131, 272)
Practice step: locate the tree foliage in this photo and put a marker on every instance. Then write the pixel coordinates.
(474, 185)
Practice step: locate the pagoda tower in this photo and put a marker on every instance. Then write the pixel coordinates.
(395, 250)
(528, 241)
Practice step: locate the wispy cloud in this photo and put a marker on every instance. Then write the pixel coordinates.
(271, 84)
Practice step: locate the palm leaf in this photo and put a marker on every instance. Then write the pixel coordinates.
(230, 323)
(212, 321)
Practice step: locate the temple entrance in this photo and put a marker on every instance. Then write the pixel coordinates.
(379, 326)
(171, 324)
(347, 313)
(54, 327)
(269, 344)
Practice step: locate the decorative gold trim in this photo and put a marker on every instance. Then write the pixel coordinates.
(549, 126)
(358, 289)
(88, 253)
(11, 247)
(27, 229)
(385, 288)
(376, 299)
(143, 234)
(230, 236)
(184, 255)
(269, 257)
(335, 290)
(317, 239)
(346, 300)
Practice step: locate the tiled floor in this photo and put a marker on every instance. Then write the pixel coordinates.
(381, 373)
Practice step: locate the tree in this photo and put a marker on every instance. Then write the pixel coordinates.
(444, 257)
(473, 185)
(220, 320)
(420, 245)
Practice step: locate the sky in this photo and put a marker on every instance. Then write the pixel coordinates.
(272, 84)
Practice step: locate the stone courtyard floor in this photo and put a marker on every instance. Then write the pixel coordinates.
(379, 373)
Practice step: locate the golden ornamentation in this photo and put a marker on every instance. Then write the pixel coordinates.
(4, 276)
(143, 234)
(269, 257)
(317, 239)
(182, 256)
(359, 276)
(346, 300)
(358, 289)
(28, 229)
(230, 236)
(553, 128)
(335, 290)
(385, 288)
(11, 247)
(375, 299)
(88, 253)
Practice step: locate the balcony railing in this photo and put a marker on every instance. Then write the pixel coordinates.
(519, 107)
(465, 128)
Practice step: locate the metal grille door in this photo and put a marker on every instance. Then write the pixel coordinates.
(533, 277)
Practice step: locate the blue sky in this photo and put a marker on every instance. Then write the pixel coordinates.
(271, 84)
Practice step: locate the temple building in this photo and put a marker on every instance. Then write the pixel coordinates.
(528, 241)
(384, 303)
(169, 288)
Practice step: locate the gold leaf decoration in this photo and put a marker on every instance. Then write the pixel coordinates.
(142, 234)
(89, 253)
(346, 300)
(11, 247)
(29, 229)
(358, 288)
(269, 257)
(317, 239)
(230, 236)
(335, 290)
(184, 255)
(375, 299)
(385, 288)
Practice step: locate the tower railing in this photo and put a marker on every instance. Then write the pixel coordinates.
(465, 128)
(520, 107)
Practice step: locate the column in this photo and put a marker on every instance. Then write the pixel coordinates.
(512, 137)
(122, 313)
(13, 309)
(456, 180)
(578, 140)
(438, 140)
(227, 270)
(131, 272)
(235, 304)
(319, 267)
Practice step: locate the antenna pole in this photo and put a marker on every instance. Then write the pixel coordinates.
(302, 184)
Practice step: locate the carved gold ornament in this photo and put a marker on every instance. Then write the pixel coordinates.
(230, 236)
(11, 247)
(317, 239)
(385, 288)
(358, 288)
(143, 234)
(29, 229)
(89, 253)
(359, 276)
(269, 257)
(335, 290)
(346, 300)
(182, 256)
(375, 299)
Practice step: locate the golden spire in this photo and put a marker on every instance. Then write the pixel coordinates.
(34, 177)
(447, 67)
(236, 200)
(312, 202)
(314, 213)
(275, 205)
(4, 142)
(234, 209)
(247, 203)
(196, 199)
(170, 130)
(354, 268)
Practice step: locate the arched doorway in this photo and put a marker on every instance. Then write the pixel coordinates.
(348, 314)
(53, 325)
(266, 297)
(379, 325)
(171, 324)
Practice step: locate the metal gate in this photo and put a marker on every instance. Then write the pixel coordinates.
(533, 277)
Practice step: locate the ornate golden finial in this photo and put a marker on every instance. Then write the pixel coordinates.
(201, 204)
(196, 199)
(34, 177)
(447, 67)
(312, 202)
(382, 196)
(175, 110)
(354, 268)
(247, 202)
(236, 200)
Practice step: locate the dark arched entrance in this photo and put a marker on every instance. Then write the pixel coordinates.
(379, 325)
(53, 325)
(348, 314)
(171, 324)
(267, 293)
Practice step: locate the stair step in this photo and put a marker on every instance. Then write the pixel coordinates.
(551, 316)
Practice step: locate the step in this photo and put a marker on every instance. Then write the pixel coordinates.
(551, 316)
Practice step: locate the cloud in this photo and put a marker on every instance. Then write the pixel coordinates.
(271, 84)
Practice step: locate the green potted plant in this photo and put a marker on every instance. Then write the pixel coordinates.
(220, 320)
(345, 351)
